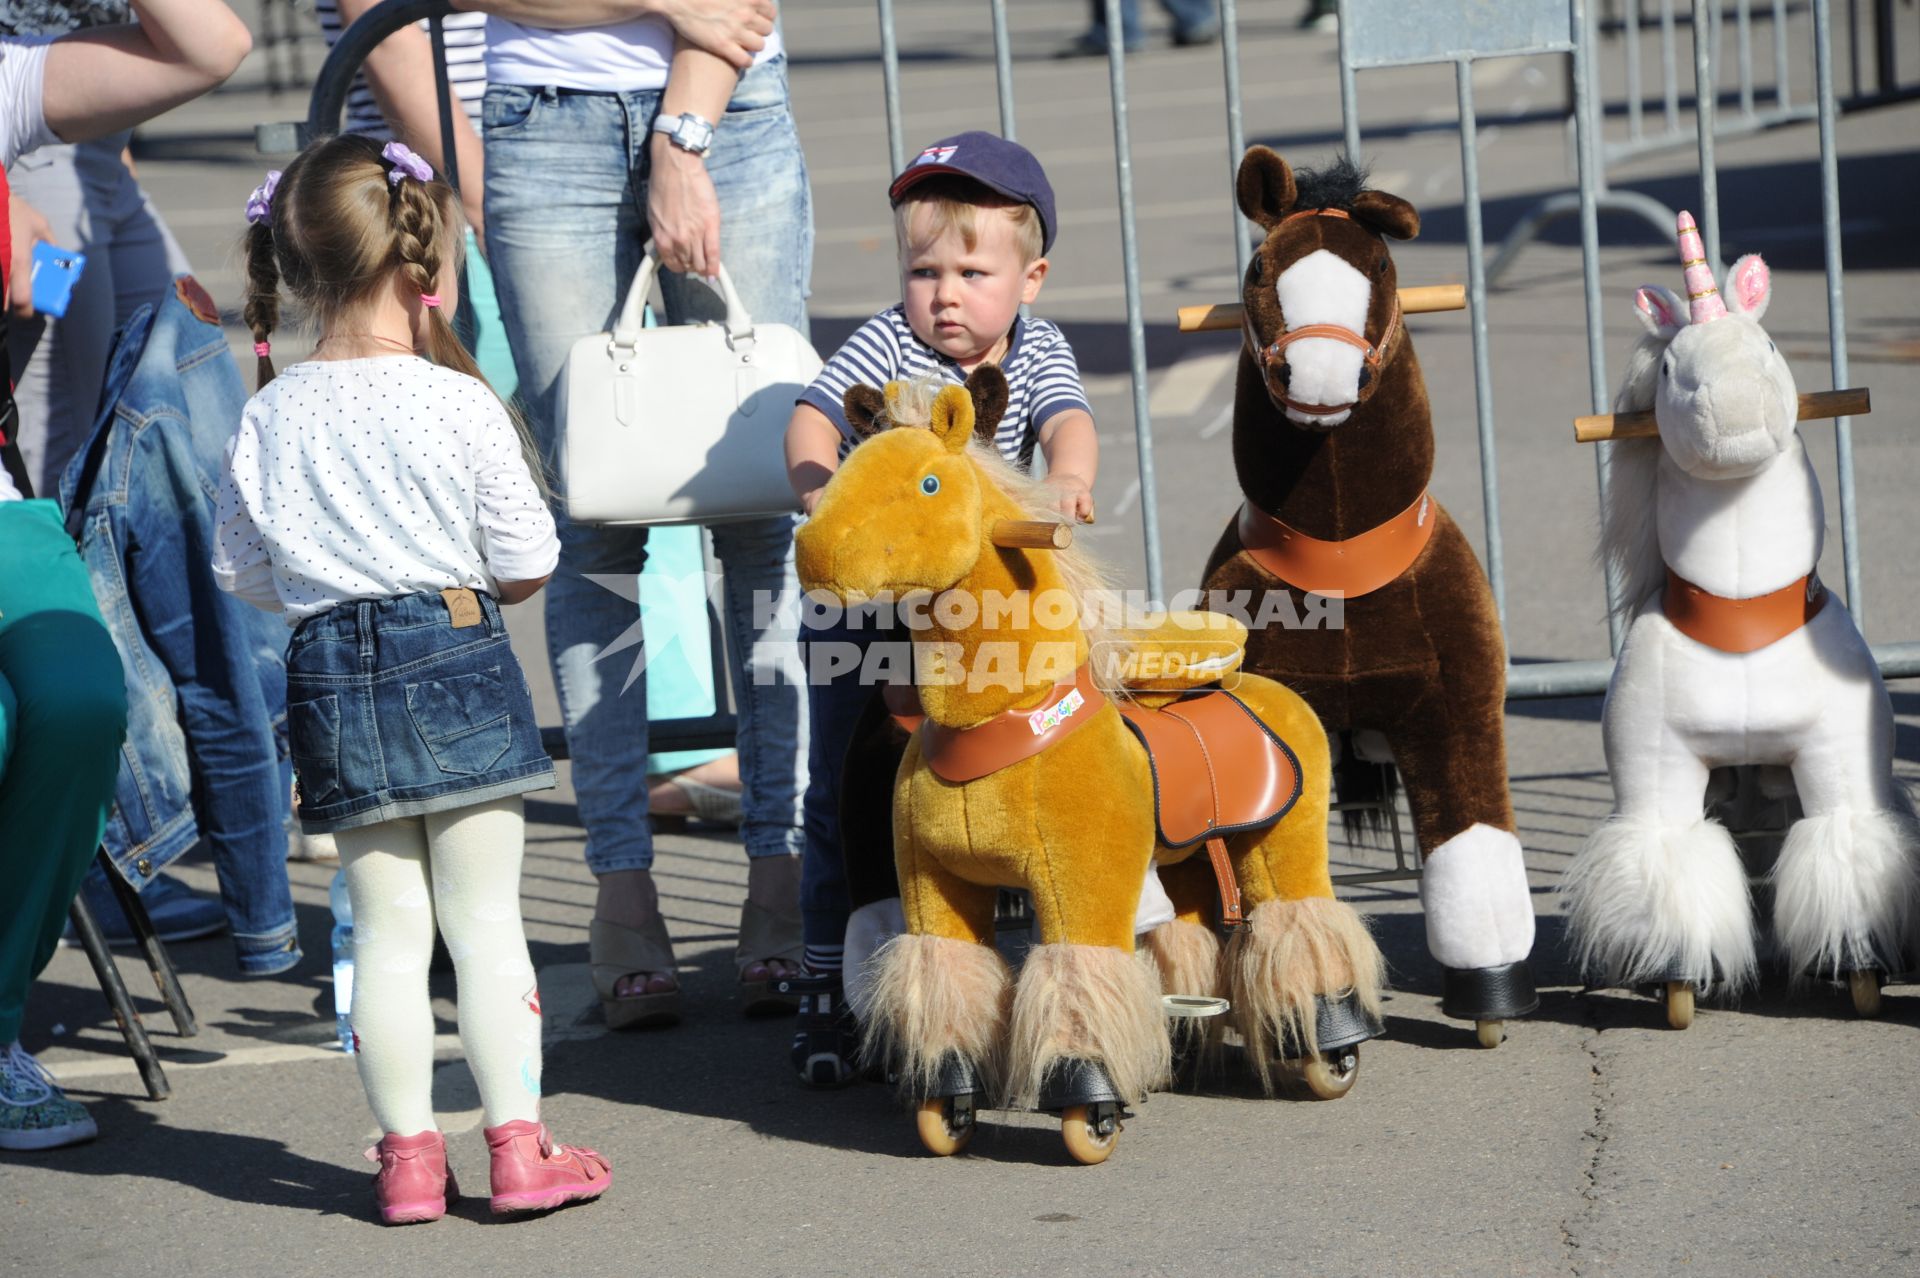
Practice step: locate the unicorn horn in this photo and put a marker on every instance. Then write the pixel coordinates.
(1703, 297)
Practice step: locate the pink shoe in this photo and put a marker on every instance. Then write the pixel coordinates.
(413, 1184)
(531, 1173)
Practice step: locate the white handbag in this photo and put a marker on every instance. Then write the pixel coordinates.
(680, 425)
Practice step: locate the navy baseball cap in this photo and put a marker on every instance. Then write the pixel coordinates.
(993, 162)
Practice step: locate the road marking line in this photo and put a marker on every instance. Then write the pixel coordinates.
(1188, 384)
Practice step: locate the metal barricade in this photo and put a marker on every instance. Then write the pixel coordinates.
(328, 101)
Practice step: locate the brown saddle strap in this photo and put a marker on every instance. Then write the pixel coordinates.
(1231, 915)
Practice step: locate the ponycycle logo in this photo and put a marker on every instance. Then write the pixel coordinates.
(1042, 721)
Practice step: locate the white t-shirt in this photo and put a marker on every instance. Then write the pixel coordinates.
(371, 479)
(23, 127)
(616, 58)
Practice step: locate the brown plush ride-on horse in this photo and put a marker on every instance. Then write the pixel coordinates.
(1333, 446)
(1026, 769)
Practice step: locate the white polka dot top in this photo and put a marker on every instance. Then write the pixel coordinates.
(374, 478)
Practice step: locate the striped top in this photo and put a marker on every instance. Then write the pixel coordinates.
(466, 68)
(1042, 377)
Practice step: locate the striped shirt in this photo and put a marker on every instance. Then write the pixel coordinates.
(466, 68)
(1042, 377)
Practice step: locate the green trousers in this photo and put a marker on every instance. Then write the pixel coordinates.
(63, 715)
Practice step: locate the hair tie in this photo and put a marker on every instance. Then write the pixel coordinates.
(429, 300)
(406, 163)
(260, 203)
(263, 349)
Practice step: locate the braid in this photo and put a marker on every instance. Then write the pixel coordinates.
(263, 293)
(419, 232)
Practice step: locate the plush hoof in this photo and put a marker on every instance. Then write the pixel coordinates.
(1488, 993)
(1342, 1022)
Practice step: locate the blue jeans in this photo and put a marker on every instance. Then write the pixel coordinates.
(566, 225)
(1187, 15)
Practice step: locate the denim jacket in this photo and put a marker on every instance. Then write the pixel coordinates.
(205, 755)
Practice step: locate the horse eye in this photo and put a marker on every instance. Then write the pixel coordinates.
(930, 485)
(1381, 267)
(1769, 345)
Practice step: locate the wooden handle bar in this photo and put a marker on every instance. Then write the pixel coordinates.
(1032, 534)
(1813, 406)
(1217, 317)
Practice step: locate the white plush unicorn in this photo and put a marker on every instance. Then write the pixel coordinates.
(1735, 655)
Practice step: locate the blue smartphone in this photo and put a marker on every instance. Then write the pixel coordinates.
(55, 272)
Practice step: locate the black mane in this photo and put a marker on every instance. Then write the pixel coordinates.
(1336, 186)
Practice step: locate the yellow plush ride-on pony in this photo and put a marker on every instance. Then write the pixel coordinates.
(1027, 772)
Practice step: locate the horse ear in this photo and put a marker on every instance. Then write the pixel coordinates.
(987, 386)
(953, 417)
(1265, 187)
(1749, 287)
(1387, 214)
(1660, 309)
(864, 407)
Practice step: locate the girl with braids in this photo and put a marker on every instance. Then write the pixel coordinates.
(385, 504)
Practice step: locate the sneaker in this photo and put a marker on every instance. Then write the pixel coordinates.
(34, 1112)
(1199, 33)
(178, 912)
(826, 1040)
(531, 1173)
(1321, 15)
(413, 1184)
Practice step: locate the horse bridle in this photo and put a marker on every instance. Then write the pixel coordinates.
(1275, 351)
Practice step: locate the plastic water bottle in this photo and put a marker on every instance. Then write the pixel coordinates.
(342, 958)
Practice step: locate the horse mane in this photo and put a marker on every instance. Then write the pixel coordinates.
(1334, 186)
(1629, 537)
(1080, 571)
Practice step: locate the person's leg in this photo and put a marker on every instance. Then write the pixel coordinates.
(476, 853)
(1194, 21)
(61, 726)
(563, 240)
(766, 244)
(391, 887)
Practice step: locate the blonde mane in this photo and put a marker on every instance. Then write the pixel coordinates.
(910, 406)
(1629, 538)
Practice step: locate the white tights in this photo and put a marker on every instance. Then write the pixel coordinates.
(463, 868)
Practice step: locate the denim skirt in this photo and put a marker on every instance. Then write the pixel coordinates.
(393, 711)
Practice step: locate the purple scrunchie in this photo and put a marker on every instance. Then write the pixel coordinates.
(405, 163)
(260, 203)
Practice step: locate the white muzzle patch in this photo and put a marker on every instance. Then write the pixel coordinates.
(1323, 288)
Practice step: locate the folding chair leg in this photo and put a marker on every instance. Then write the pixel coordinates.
(119, 1000)
(158, 961)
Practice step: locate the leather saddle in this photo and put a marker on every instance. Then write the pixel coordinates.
(1217, 768)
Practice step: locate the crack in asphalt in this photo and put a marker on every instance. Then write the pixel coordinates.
(1573, 1229)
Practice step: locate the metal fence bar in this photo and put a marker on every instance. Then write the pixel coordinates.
(1136, 327)
(1634, 129)
(1236, 131)
(1477, 311)
(890, 81)
(1002, 69)
(1670, 66)
(1705, 42)
(1782, 95)
(1836, 306)
(1743, 23)
(1349, 96)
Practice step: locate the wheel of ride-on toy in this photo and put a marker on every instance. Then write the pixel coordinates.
(1865, 988)
(1490, 1033)
(1332, 1075)
(946, 1124)
(1679, 1004)
(1080, 1129)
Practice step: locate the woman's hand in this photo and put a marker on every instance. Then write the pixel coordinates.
(683, 210)
(29, 228)
(731, 29)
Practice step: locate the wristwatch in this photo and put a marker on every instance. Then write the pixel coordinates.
(688, 132)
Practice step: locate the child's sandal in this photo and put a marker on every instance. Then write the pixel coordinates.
(617, 952)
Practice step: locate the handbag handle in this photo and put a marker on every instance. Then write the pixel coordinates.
(626, 329)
